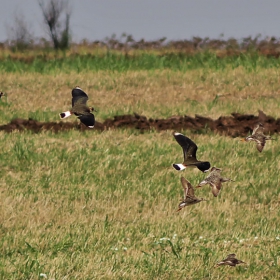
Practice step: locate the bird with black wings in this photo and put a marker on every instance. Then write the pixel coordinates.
(189, 151)
(80, 108)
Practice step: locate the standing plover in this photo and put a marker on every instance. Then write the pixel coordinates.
(80, 108)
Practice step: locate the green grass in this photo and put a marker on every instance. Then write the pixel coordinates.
(102, 205)
(119, 62)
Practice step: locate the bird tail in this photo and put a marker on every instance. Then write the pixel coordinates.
(65, 114)
(179, 166)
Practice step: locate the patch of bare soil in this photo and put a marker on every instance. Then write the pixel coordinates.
(234, 125)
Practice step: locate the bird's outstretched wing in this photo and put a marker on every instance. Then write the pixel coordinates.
(79, 97)
(188, 188)
(216, 187)
(188, 146)
(258, 129)
(87, 120)
(260, 145)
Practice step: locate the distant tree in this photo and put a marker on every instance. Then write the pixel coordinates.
(19, 33)
(56, 15)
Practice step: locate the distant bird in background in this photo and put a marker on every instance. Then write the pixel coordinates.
(215, 180)
(1, 94)
(80, 108)
(189, 197)
(230, 260)
(189, 151)
(258, 137)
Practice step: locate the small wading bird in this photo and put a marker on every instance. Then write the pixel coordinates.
(215, 180)
(189, 150)
(230, 260)
(189, 197)
(258, 137)
(80, 108)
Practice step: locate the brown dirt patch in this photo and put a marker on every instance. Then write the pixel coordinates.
(234, 125)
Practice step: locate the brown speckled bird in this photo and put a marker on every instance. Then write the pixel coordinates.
(258, 137)
(189, 197)
(189, 150)
(230, 260)
(215, 180)
(80, 108)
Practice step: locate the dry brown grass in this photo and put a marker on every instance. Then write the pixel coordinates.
(154, 94)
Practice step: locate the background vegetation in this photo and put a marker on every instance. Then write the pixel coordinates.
(92, 205)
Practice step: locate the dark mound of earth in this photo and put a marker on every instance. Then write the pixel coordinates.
(234, 125)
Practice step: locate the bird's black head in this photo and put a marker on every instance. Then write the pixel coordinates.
(204, 166)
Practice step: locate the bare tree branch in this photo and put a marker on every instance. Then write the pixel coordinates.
(52, 13)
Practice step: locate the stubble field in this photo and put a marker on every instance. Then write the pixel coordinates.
(102, 205)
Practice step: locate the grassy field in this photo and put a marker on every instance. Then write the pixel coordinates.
(102, 205)
(151, 93)
(53, 63)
